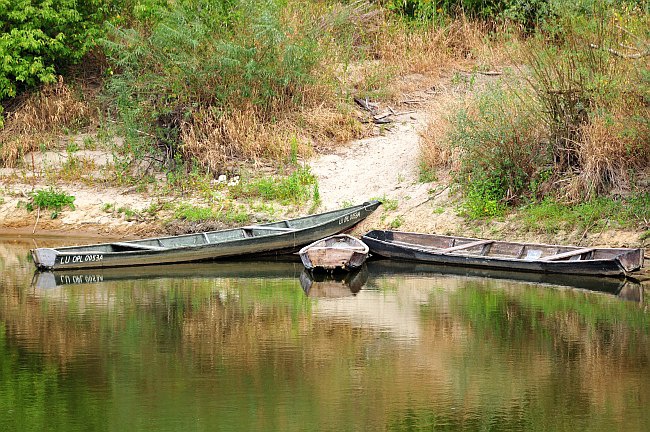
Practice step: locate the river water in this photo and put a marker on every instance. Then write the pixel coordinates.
(261, 346)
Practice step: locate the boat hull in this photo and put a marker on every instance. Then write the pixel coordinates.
(143, 252)
(382, 243)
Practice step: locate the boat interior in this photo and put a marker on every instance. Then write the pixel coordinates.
(340, 242)
(206, 238)
(493, 248)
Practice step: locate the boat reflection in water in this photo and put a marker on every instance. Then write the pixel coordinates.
(626, 289)
(201, 270)
(333, 284)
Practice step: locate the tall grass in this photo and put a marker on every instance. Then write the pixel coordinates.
(36, 118)
(575, 129)
(216, 80)
(594, 97)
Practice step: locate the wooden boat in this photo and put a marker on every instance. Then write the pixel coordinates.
(276, 237)
(503, 255)
(337, 252)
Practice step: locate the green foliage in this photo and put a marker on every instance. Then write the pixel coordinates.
(423, 10)
(427, 174)
(550, 216)
(500, 152)
(39, 38)
(387, 204)
(193, 213)
(397, 222)
(50, 199)
(221, 55)
(526, 12)
(295, 188)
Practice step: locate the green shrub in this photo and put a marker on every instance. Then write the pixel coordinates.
(501, 151)
(194, 56)
(528, 13)
(193, 213)
(39, 38)
(51, 199)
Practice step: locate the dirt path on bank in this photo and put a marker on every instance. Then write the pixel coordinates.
(386, 166)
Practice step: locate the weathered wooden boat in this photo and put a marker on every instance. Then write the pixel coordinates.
(503, 255)
(337, 252)
(276, 237)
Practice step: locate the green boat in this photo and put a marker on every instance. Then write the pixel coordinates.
(277, 237)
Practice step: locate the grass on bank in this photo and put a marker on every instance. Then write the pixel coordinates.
(550, 216)
(568, 128)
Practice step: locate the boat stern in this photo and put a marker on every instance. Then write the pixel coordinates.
(632, 260)
(44, 258)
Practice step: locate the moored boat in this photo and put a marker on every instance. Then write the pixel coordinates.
(275, 237)
(337, 252)
(503, 255)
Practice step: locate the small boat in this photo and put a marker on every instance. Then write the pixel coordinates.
(276, 237)
(337, 252)
(503, 255)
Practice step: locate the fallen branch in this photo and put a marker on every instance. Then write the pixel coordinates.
(401, 113)
(381, 116)
(620, 54)
(429, 198)
(366, 104)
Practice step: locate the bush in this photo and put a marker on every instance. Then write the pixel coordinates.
(41, 37)
(51, 199)
(501, 151)
(528, 13)
(205, 60)
(296, 188)
(594, 96)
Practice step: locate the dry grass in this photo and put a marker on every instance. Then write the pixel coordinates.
(218, 141)
(330, 125)
(37, 118)
(429, 51)
(436, 151)
(611, 149)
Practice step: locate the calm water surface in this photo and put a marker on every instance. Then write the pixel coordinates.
(259, 346)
